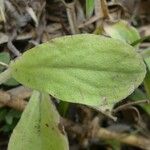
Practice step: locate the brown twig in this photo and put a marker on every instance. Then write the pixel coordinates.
(89, 21)
(105, 134)
(101, 11)
(14, 98)
(10, 45)
(129, 139)
(11, 101)
(124, 106)
(72, 18)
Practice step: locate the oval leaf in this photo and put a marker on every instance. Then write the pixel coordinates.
(39, 127)
(87, 69)
(122, 31)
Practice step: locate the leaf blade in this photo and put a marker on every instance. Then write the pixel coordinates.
(38, 127)
(122, 31)
(95, 72)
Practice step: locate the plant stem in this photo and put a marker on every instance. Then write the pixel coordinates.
(4, 76)
(130, 104)
(3, 64)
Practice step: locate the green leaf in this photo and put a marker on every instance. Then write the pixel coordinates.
(5, 76)
(3, 113)
(146, 57)
(147, 83)
(89, 7)
(11, 115)
(139, 95)
(145, 38)
(5, 58)
(145, 52)
(9, 119)
(87, 69)
(122, 31)
(11, 82)
(39, 127)
(114, 144)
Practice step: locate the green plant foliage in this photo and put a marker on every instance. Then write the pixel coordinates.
(5, 58)
(146, 57)
(147, 83)
(8, 119)
(5, 76)
(123, 31)
(11, 82)
(114, 144)
(140, 95)
(87, 69)
(145, 52)
(142, 39)
(89, 7)
(39, 127)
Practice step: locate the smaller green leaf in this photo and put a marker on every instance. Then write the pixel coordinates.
(145, 52)
(39, 127)
(89, 7)
(5, 58)
(5, 76)
(63, 108)
(11, 82)
(12, 114)
(122, 31)
(146, 57)
(9, 119)
(115, 145)
(3, 112)
(147, 83)
(140, 95)
(141, 40)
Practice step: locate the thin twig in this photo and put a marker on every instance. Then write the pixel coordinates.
(10, 45)
(72, 18)
(4, 76)
(65, 4)
(106, 113)
(124, 106)
(89, 21)
(105, 134)
(129, 139)
(3, 64)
